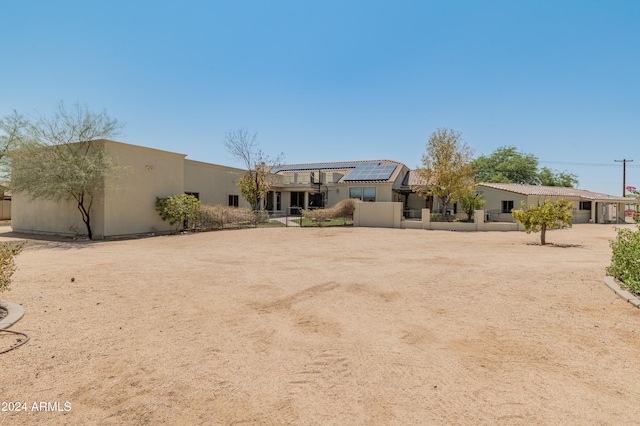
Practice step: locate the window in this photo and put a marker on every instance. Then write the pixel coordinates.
(369, 194)
(364, 194)
(507, 206)
(316, 200)
(355, 193)
(297, 199)
(233, 200)
(585, 205)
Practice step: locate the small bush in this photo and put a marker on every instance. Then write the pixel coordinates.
(210, 217)
(344, 208)
(8, 252)
(207, 219)
(261, 216)
(438, 217)
(625, 259)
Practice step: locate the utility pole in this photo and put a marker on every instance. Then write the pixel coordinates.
(624, 174)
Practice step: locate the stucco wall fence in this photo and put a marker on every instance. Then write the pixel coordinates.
(389, 215)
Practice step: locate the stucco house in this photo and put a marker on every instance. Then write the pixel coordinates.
(127, 207)
(319, 185)
(588, 207)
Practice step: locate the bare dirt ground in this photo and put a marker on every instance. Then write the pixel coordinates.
(324, 326)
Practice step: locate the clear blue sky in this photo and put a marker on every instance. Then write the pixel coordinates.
(342, 80)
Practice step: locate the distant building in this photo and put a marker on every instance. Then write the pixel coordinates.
(588, 207)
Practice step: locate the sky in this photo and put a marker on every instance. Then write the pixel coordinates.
(341, 80)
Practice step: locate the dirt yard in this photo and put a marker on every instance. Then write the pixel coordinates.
(338, 326)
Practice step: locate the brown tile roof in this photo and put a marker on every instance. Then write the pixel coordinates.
(413, 178)
(556, 191)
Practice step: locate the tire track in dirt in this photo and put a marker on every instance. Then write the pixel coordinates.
(287, 302)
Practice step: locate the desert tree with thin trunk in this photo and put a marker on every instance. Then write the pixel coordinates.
(257, 181)
(446, 167)
(12, 133)
(62, 158)
(547, 215)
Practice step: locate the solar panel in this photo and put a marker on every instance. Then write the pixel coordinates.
(370, 171)
(315, 166)
(361, 171)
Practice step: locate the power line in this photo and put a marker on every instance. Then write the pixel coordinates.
(569, 163)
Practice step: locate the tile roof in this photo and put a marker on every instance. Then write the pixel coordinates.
(413, 178)
(556, 191)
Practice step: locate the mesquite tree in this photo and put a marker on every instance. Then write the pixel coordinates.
(257, 181)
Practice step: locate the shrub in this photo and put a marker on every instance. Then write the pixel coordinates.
(217, 216)
(8, 252)
(438, 217)
(178, 209)
(344, 208)
(633, 214)
(625, 259)
(207, 218)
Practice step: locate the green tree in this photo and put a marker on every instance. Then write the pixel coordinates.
(12, 133)
(548, 215)
(508, 165)
(549, 177)
(62, 157)
(178, 209)
(470, 202)
(446, 167)
(257, 181)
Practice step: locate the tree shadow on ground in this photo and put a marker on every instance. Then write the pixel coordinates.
(557, 245)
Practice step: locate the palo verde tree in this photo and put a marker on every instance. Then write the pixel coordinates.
(257, 181)
(446, 167)
(12, 133)
(548, 215)
(62, 158)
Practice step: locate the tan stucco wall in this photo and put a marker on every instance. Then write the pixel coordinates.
(130, 198)
(378, 215)
(493, 203)
(213, 182)
(48, 217)
(494, 198)
(55, 217)
(127, 206)
(5, 209)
